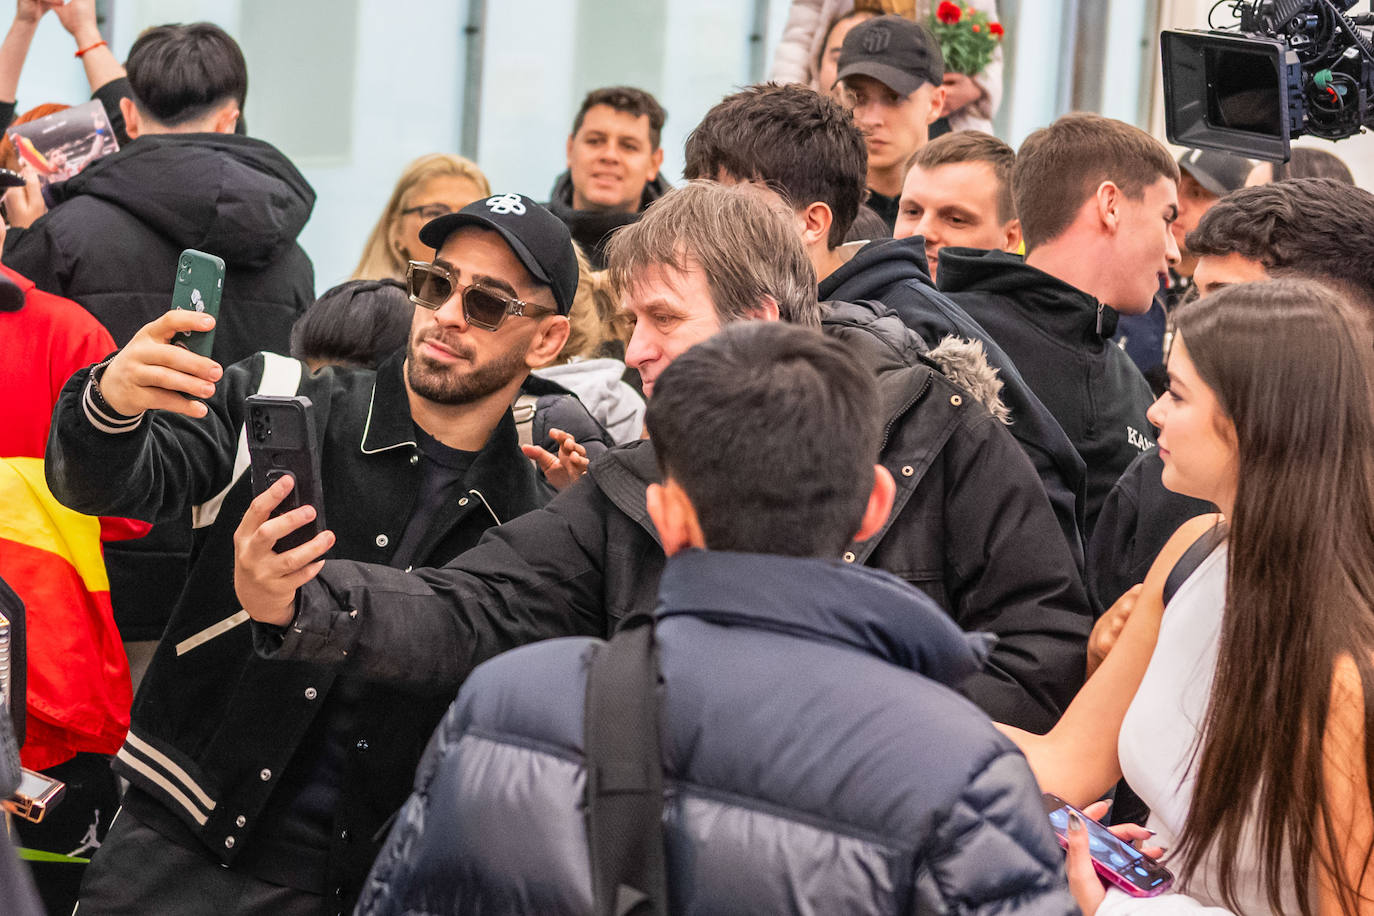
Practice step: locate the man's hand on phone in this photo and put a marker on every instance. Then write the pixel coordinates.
(152, 373)
(1083, 880)
(264, 580)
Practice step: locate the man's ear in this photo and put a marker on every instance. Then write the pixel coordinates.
(225, 120)
(674, 517)
(132, 125)
(816, 219)
(1011, 235)
(658, 162)
(1108, 200)
(766, 310)
(550, 336)
(937, 104)
(879, 503)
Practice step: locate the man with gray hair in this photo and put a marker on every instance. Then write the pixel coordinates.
(968, 503)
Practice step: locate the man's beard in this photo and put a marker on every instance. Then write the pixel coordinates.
(446, 384)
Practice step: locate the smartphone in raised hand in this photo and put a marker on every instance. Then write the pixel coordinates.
(199, 285)
(281, 442)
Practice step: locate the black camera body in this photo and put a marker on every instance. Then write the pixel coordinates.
(1283, 69)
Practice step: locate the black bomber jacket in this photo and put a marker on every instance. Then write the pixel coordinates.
(215, 725)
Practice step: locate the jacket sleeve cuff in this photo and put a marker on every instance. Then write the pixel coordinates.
(99, 414)
(321, 632)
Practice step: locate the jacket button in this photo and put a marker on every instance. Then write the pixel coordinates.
(414, 459)
(344, 835)
(908, 470)
(311, 693)
(383, 540)
(849, 556)
(228, 842)
(265, 775)
(463, 501)
(362, 744)
(956, 400)
(240, 821)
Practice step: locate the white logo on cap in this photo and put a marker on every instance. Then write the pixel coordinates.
(505, 204)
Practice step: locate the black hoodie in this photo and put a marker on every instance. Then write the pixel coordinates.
(1059, 337)
(894, 272)
(592, 228)
(112, 239)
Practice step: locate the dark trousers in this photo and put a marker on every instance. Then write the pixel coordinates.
(73, 828)
(137, 871)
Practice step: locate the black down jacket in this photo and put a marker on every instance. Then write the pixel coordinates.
(814, 763)
(971, 526)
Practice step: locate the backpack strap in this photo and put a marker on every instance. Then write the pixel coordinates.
(1192, 558)
(524, 409)
(624, 793)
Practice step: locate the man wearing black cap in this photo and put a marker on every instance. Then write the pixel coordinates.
(891, 71)
(266, 783)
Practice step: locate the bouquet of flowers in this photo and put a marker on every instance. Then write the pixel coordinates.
(967, 39)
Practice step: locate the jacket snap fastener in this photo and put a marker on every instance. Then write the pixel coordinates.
(228, 842)
(362, 744)
(414, 459)
(311, 693)
(240, 821)
(908, 470)
(849, 556)
(266, 774)
(463, 501)
(383, 540)
(956, 400)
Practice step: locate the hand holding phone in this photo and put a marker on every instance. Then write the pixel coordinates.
(198, 287)
(281, 442)
(1117, 862)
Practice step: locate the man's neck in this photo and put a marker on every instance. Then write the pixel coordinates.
(465, 426)
(581, 203)
(1072, 260)
(828, 260)
(887, 181)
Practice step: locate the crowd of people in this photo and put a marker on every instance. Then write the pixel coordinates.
(776, 540)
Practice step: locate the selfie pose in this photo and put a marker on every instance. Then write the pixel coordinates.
(1238, 711)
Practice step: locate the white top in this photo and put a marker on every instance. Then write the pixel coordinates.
(1159, 737)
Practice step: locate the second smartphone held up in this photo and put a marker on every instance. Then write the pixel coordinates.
(281, 441)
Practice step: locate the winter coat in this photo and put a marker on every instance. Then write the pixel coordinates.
(803, 39)
(1060, 339)
(815, 761)
(592, 229)
(971, 527)
(214, 726)
(894, 272)
(599, 385)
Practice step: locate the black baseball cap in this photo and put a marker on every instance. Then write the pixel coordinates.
(901, 54)
(538, 238)
(1218, 172)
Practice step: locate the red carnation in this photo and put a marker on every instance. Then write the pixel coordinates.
(977, 27)
(996, 29)
(948, 13)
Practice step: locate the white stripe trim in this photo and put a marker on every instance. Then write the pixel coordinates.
(280, 375)
(176, 772)
(103, 421)
(210, 632)
(176, 794)
(479, 495)
(367, 426)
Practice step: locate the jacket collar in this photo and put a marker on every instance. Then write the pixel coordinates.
(876, 266)
(1063, 310)
(824, 600)
(388, 424)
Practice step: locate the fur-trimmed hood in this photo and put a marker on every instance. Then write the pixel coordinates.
(965, 364)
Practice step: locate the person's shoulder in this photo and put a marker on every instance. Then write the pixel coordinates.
(534, 691)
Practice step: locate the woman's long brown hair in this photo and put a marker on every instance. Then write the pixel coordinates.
(1292, 366)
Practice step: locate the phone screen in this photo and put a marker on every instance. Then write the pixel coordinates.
(1103, 845)
(1116, 860)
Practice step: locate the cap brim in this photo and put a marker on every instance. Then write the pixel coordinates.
(434, 232)
(899, 81)
(1206, 179)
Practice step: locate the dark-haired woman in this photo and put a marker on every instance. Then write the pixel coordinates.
(1240, 712)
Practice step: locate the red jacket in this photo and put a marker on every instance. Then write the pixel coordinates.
(78, 693)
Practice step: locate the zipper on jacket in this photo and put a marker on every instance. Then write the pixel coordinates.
(887, 430)
(1100, 308)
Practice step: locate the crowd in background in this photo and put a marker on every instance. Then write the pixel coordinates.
(922, 478)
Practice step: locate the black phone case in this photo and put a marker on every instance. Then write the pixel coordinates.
(281, 440)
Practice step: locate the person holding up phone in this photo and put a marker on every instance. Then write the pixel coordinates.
(1237, 709)
(284, 773)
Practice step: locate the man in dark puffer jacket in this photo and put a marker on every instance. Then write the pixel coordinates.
(815, 760)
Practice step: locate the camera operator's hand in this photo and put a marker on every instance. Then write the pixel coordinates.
(151, 372)
(264, 580)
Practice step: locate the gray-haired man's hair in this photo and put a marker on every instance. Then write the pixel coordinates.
(744, 242)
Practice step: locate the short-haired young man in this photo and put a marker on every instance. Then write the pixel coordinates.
(968, 501)
(891, 72)
(1314, 228)
(958, 194)
(265, 784)
(614, 159)
(1096, 198)
(806, 149)
(769, 652)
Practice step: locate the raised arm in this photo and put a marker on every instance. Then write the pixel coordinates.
(78, 18)
(15, 49)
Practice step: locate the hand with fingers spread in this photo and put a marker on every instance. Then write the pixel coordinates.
(1083, 880)
(152, 373)
(25, 204)
(1108, 627)
(564, 469)
(264, 580)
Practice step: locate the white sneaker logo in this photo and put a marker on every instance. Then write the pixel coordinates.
(197, 300)
(506, 204)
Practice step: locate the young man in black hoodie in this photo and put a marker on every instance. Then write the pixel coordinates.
(807, 149)
(1096, 198)
(613, 173)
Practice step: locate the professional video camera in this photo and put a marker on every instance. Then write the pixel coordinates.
(1282, 69)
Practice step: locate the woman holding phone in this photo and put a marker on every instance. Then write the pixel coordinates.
(1241, 713)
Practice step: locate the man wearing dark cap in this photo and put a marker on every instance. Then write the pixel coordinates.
(263, 783)
(890, 71)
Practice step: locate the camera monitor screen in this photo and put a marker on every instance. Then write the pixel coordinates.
(1245, 91)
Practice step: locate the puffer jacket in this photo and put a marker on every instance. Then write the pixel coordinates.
(968, 511)
(815, 762)
(592, 228)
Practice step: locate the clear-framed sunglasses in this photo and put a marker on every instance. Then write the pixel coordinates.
(431, 285)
